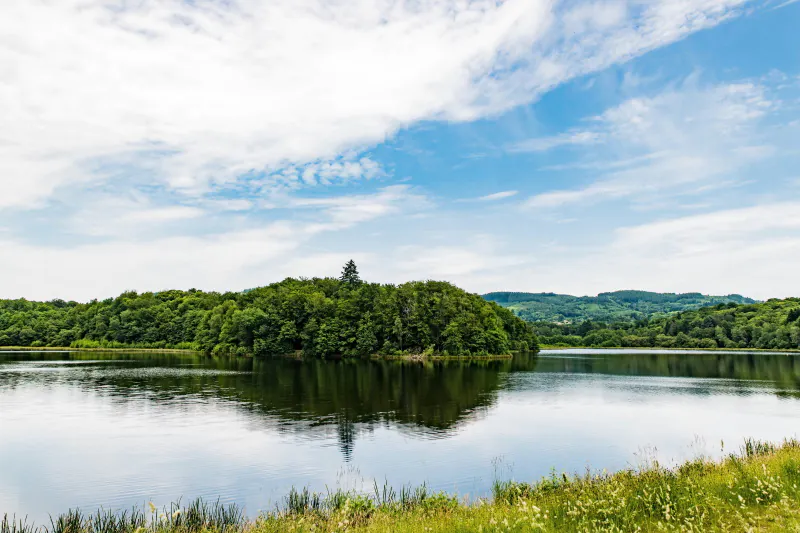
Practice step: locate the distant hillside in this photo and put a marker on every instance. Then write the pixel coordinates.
(774, 325)
(605, 307)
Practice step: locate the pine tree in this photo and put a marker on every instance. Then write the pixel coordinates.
(350, 274)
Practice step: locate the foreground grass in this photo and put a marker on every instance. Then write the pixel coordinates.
(755, 490)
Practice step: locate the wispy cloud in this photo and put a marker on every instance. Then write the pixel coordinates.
(679, 254)
(703, 247)
(227, 204)
(497, 196)
(479, 259)
(494, 197)
(601, 164)
(719, 229)
(192, 95)
(176, 144)
(226, 259)
(543, 144)
(345, 168)
(684, 139)
(352, 209)
(785, 3)
(111, 216)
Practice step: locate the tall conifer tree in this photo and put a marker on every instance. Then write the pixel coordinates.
(350, 273)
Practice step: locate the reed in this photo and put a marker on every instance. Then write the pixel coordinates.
(13, 525)
(198, 516)
(754, 490)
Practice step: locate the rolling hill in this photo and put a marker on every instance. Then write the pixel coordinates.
(605, 307)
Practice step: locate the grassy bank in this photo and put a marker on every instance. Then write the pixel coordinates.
(757, 489)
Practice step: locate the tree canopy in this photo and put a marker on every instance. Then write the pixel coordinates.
(774, 324)
(320, 317)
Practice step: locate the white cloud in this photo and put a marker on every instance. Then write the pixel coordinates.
(494, 197)
(785, 3)
(116, 216)
(348, 210)
(343, 169)
(464, 263)
(751, 250)
(498, 196)
(681, 141)
(543, 144)
(594, 15)
(105, 269)
(720, 229)
(162, 214)
(227, 260)
(196, 94)
(230, 204)
(223, 110)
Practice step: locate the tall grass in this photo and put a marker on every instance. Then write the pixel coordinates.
(198, 516)
(16, 526)
(754, 448)
(757, 489)
(358, 506)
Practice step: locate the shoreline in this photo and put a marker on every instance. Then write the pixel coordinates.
(557, 348)
(754, 489)
(293, 355)
(419, 358)
(412, 357)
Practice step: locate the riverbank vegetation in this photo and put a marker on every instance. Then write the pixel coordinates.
(609, 307)
(771, 325)
(319, 317)
(756, 490)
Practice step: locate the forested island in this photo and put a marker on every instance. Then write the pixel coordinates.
(771, 325)
(617, 306)
(319, 317)
(347, 317)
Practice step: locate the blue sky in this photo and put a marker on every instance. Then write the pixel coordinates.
(570, 146)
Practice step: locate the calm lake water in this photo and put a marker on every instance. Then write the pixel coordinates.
(116, 430)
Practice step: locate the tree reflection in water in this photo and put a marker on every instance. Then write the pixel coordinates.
(319, 399)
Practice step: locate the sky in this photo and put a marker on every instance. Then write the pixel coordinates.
(570, 146)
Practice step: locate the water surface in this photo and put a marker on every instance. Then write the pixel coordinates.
(116, 430)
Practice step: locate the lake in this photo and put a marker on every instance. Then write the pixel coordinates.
(116, 430)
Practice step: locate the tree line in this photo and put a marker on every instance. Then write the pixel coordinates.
(608, 307)
(774, 324)
(319, 317)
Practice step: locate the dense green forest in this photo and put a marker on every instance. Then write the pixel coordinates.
(321, 317)
(774, 324)
(605, 307)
